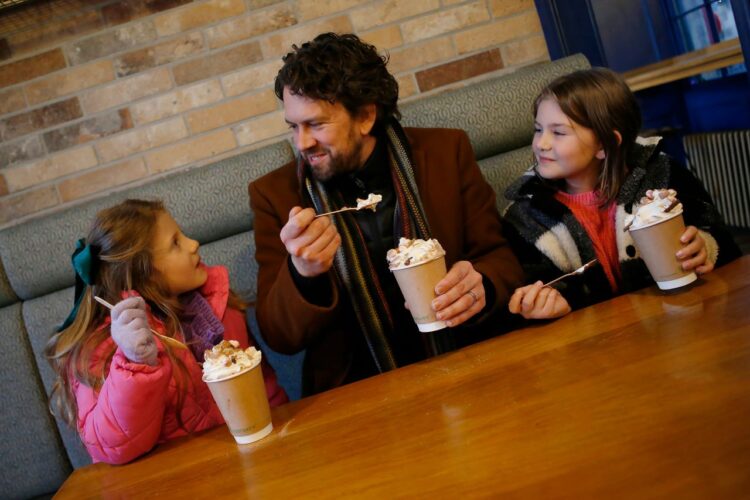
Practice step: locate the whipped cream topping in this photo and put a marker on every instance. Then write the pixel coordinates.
(370, 202)
(663, 206)
(226, 358)
(412, 252)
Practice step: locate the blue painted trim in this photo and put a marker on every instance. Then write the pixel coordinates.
(553, 33)
(741, 10)
(595, 31)
(651, 31)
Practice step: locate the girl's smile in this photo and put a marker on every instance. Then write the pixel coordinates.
(565, 150)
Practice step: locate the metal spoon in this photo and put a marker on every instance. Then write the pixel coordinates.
(577, 271)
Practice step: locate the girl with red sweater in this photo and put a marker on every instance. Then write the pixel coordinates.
(125, 389)
(591, 171)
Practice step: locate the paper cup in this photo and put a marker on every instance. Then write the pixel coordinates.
(658, 243)
(417, 284)
(242, 400)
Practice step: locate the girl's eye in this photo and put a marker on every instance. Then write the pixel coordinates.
(559, 132)
(537, 130)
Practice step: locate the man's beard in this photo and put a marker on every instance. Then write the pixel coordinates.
(337, 164)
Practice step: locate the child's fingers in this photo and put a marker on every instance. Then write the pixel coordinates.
(690, 234)
(529, 298)
(514, 305)
(691, 249)
(705, 268)
(548, 306)
(697, 260)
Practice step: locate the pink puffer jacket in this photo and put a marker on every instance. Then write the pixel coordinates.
(135, 408)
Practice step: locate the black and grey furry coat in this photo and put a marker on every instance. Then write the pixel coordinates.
(549, 241)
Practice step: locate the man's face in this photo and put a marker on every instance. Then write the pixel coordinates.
(327, 137)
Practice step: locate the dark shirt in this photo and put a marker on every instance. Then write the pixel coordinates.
(378, 230)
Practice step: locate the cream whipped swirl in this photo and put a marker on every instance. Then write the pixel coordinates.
(412, 252)
(226, 358)
(370, 202)
(663, 206)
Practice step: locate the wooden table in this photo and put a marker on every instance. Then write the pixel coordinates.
(646, 395)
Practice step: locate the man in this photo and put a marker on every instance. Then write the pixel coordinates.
(323, 283)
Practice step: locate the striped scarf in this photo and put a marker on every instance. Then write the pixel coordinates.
(353, 262)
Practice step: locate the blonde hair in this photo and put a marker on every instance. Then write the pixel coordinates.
(122, 237)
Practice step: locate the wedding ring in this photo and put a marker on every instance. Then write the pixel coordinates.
(473, 296)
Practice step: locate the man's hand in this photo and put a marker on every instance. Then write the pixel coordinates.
(460, 295)
(312, 243)
(693, 255)
(538, 302)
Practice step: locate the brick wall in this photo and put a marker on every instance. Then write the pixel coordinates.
(128, 90)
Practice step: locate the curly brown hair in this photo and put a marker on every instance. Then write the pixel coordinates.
(340, 68)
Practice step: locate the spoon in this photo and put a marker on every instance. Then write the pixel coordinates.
(577, 271)
(369, 202)
(168, 340)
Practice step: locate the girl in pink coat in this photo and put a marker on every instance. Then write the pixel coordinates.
(124, 388)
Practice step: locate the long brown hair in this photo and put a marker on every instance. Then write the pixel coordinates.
(122, 236)
(600, 100)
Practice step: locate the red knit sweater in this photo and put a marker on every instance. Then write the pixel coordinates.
(599, 223)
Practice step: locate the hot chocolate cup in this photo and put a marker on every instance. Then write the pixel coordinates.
(242, 400)
(658, 243)
(417, 283)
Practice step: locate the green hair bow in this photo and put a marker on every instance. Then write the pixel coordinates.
(85, 260)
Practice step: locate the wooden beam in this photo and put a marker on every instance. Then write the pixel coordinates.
(719, 55)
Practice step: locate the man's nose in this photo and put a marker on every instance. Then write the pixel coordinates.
(305, 140)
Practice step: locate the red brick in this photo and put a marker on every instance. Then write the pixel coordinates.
(27, 202)
(5, 52)
(110, 42)
(31, 67)
(156, 55)
(217, 63)
(249, 26)
(101, 179)
(40, 118)
(199, 14)
(69, 81)
(88, 130)
(11, 101)
(51, 167)
(258, 4)
(128, 10)
(28, 148)
(461, 69)
(53, 32)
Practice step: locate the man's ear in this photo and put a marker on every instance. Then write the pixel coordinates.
(366, 118)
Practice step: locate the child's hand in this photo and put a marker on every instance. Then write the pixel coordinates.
(693, 255)
(651, 194)
(538, 302)
(131, 332)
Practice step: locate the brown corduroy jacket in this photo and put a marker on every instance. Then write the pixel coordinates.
(460, 207)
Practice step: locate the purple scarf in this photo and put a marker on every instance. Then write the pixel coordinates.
(200, 326)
